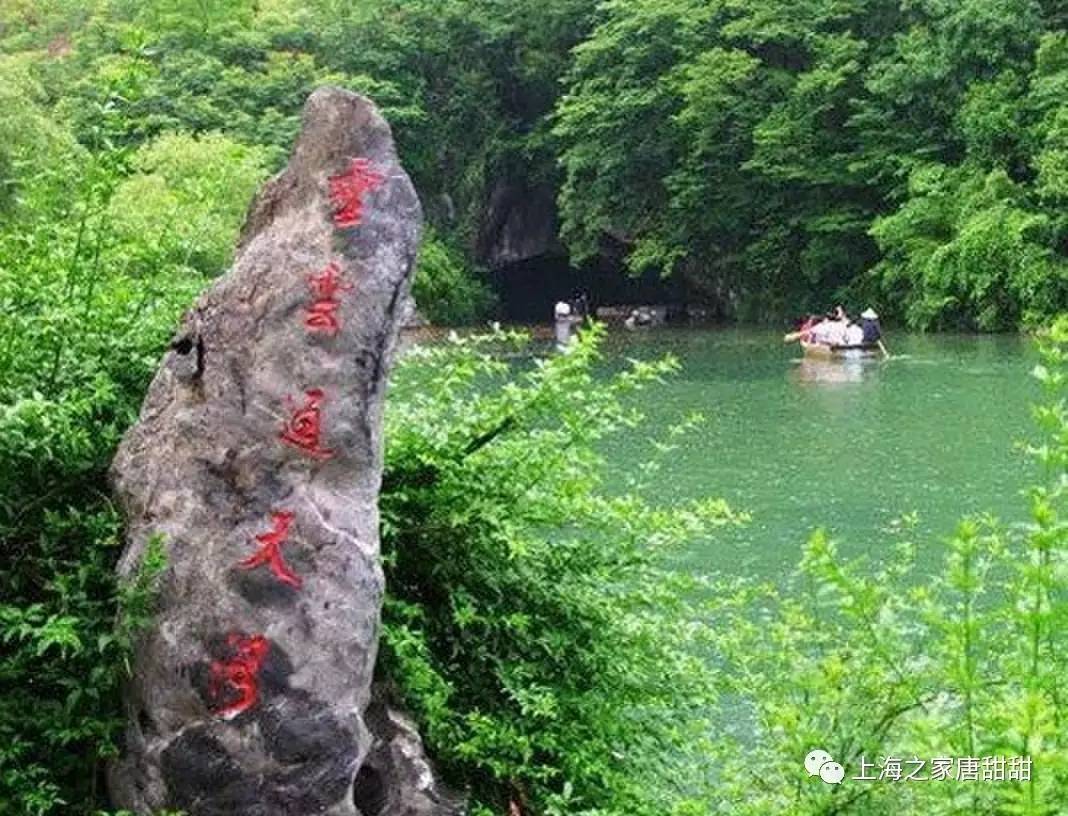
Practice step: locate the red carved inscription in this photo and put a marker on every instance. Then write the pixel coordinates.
(322, 315)
(270, 551)
(237, 679)
(347, 190)
(303, 430)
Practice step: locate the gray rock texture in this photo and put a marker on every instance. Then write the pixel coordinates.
(257, 460)
(397, 779)
(519, 223)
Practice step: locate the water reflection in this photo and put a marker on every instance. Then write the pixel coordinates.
(830, 372)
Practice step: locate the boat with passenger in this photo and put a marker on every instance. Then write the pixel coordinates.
(836, 337)
(828, 352)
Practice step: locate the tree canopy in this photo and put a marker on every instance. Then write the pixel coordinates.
(780, 154)
(772, 155)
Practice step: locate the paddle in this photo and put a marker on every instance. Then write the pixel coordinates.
(882, 348)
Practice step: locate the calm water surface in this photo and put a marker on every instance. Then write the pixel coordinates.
(848, 446)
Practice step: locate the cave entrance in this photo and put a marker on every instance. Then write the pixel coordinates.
(527, 290)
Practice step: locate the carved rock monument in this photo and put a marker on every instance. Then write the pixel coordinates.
(256, 462)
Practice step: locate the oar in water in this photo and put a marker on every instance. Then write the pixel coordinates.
(882, 348)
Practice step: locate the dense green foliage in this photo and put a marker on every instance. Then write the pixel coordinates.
(447, 294)
(104, 76)
(89, 295)
(912, 154)
(532, 624)
(775, 155)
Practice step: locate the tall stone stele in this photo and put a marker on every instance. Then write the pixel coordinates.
(256, 465)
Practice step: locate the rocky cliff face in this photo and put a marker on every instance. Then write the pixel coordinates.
(520, 223)
(257, 461)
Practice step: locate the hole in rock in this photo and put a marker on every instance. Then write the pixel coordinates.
(369, 792)
(183, 346)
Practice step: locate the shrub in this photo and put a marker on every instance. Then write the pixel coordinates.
(82, 328)
(532, 621)
(190, 194)
(967, 251)
(877, 661)
(446, 290)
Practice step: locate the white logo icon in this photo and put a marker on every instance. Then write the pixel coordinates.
(832, 773)
(820, 763)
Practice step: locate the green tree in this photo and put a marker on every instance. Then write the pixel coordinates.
(445, 288)
(190, 193)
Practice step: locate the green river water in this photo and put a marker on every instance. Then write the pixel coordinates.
(847, 446)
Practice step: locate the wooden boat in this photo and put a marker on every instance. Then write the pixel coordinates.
(826, 352)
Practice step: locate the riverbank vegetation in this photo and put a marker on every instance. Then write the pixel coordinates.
(535, 625)
(770, 156)
(875, 661)
(908, 154)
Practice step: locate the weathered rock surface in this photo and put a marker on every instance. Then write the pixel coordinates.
(520, 223)
(397, 779)
(257, 460)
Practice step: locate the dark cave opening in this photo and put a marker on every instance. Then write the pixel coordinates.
(527, 290)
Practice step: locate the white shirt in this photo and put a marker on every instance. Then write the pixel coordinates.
(830, 332)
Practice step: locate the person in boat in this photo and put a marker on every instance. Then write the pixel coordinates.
(832, 331)
(871, 331)
(854, 335)
(638, 318)
(807, 329)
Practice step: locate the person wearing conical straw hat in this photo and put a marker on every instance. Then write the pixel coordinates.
(873, 332)
(869, 322)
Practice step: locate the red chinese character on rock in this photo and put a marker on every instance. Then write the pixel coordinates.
(270, 551)
(303, 430)
(237, 679)
(322, 314)
(347, 190)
